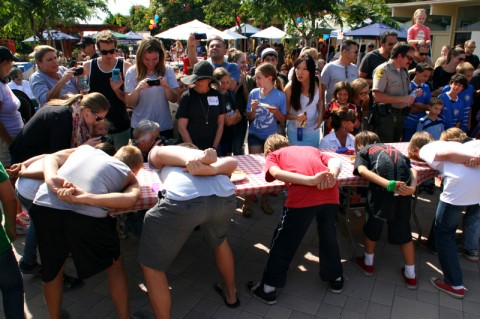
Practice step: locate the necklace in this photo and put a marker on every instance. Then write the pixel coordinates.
(205, 112)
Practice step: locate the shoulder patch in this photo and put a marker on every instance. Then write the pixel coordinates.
(379, 73)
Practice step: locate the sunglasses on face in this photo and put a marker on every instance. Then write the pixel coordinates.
(355, 52)
(410, 58)
(461, 59)
(391, 44)
(98, 118)
(105, 52)
(423, 54)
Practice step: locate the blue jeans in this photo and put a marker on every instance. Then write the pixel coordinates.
(11, 285)
(446, 220)
(471, 227)
(30, 252)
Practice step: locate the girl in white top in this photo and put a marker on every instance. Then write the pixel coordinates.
(304, 106)
(150, 101)
(343, 123)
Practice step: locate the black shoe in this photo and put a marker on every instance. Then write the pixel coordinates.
(256, 290)
(70, 283)
(35, 269)
(430, 189)
(336, 286)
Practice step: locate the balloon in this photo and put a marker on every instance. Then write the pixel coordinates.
(150, 27)
(299, 19)
(157, 17)
(238, 18)
(151, 21)
(154, 25)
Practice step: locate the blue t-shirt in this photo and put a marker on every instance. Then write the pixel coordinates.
(452, 111)
(467, 97)
(265, 123)
(435, 128)
(232, 68)
(411, 121)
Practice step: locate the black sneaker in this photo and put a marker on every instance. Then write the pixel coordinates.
(256, 290)
(35, 269)
(336, 286)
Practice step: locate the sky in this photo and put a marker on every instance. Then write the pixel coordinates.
(119, 6)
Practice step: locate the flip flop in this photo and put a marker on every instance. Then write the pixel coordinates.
(220, 291)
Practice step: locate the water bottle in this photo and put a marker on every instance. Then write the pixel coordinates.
(300, 129)
(84, 86)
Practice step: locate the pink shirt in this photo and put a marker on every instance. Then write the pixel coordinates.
(419, 32)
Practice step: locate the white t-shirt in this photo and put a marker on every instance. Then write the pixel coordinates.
(28, 187)
(459, 182)
(331, 141)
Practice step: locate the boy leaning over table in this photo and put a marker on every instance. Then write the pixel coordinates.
(458, 165)
(313, 192)
(196, 191)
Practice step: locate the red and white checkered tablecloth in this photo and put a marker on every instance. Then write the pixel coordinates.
(254, 183)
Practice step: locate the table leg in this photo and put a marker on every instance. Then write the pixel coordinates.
(347, 226)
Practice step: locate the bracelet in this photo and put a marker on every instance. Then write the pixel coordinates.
(391, 186)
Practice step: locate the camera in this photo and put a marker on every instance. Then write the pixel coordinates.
(105, 138)
(78, 71)
(153, 82)
(166, 141)
(200, 36)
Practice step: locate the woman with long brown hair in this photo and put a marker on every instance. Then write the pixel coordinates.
(150, 84)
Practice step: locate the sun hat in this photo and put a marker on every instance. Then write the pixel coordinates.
(201, 70)
(269, 51)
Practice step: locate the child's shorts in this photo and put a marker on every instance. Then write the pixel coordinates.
(254, 140)
(399, 231)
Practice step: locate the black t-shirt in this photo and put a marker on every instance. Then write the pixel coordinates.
(388, 162)
(202, 111)
(441, 77)
(473, 60)
(230, 107)
(370, 62)
(48, 131)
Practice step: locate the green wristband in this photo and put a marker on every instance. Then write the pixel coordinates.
(392, 185)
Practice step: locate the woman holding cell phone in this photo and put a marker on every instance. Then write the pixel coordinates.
(150, 84)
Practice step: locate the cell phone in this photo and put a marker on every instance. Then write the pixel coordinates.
(78, 71)
(153, 82)
(116, 75)
(200, 36)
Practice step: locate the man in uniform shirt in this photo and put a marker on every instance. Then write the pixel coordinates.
(390, 91)
(373, 59)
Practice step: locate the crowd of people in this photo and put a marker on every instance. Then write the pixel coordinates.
(287, 106)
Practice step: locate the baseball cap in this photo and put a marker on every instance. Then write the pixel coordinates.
(269, 51)
(6, 55)
(85, 41)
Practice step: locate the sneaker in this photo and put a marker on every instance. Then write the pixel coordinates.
(336, 286)
(411, 282)
(35, 269)
(443, 286)
(366, 270)
(256, 290)
(471, 255)
(139, 315)
(71, 283)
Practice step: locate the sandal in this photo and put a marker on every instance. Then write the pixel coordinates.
(266, 207)
(246, 208)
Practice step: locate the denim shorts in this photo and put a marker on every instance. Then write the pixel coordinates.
(254, 140)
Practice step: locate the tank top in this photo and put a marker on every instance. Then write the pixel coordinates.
(100, 82)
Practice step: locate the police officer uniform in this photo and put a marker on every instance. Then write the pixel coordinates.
(388, 118)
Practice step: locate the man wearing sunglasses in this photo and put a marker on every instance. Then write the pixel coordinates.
(390, 88)
(87, 45)
(101, 80)
(422, 55)
(343, 69)
(373, 59)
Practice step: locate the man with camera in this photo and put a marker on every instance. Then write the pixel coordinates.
(391, 86)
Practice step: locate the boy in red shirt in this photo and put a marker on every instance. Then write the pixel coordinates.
(311, 178)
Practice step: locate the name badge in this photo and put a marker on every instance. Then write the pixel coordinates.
(212, 100)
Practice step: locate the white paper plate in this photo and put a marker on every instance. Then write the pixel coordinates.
(237, 176)
(267, 106)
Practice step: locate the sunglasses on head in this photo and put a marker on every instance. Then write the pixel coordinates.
(105, 52)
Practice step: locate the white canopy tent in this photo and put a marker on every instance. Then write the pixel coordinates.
(270, 33)
(183, 31)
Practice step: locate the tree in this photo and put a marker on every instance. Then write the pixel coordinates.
(375, 10)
